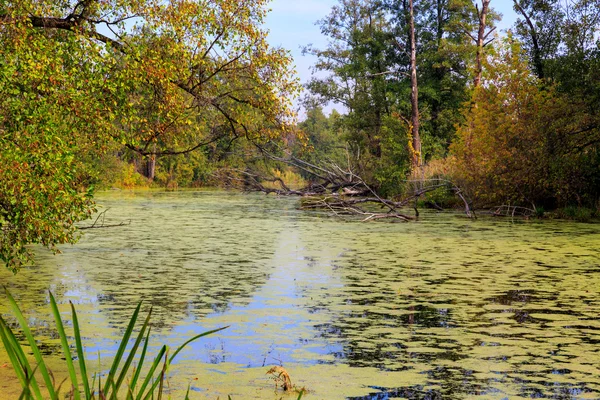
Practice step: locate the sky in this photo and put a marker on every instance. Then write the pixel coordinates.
(292, 25)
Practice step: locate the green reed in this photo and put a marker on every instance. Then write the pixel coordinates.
(123, 379)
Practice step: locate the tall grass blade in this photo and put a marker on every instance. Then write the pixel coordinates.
(151, 372)
(194, 338)
(57, 388)
(26, 393)
(80, 354)
(136, 375)
(109, 389)
(92, 386)
(162, 380)
(114, 392)
(100, 394)
(36, 352)
(14, 359)
(65, 346)
(150, 393)
(121, 350)
(23, 364)
(129, 360)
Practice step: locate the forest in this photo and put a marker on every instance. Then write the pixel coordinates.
(101, 94)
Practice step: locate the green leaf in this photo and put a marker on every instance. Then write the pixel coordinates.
(115, 365)
(193, 339)
(18, 360)
(80, 353)
(129, 360)
(150, 373)
(65, 346)
(36, 352)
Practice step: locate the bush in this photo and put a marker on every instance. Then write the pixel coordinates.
(520, 143)
(581, 214)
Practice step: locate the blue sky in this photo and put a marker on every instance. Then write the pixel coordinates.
(292, 26)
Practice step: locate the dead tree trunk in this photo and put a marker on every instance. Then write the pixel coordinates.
(414, 94)
(481, 42)
(481, 39)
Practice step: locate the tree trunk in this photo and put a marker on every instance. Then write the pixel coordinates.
(440, 23)
(151, 165)
(481, 36)
(537, 53)
(414, 94)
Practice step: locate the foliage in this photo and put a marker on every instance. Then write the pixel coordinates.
(360, 67)
(368, 73)
(519, 142)
(562, 41)
(357, 63)
(500, 145)
(42, 185)
(324, 134)
(581, 214)
(186, 170)
(170, 78)
(121, 370)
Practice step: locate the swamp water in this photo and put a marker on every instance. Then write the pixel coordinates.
(440, 308)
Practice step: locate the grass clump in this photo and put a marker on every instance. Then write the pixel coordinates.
(78, 385)
(580, 214)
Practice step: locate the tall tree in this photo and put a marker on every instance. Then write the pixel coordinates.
(443, 55)
(414, 90)
(159, 77)
(526, 143)
(563, 42)
(477, 22)
(374, 64)
(357, 65)
(364, 73)
(482, 38)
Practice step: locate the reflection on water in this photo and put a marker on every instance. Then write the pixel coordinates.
(440, 308)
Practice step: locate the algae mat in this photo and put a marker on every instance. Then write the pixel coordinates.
(443, 307)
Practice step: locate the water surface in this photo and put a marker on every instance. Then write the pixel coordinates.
(440, 308)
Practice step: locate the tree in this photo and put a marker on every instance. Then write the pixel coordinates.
(500, 163)
(444, 60)
(161, 78)
(538, 30)
(477, 23)
(527, 150)
(322, 136)
(414, 90)
(373, 68)
(482, 38)
(363, 75)
(562, 41)
(356, 61)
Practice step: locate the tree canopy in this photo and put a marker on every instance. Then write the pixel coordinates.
(160, 78)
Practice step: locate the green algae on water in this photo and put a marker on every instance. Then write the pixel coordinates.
(443, 306)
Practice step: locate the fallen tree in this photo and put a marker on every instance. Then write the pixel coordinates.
(339, 190)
